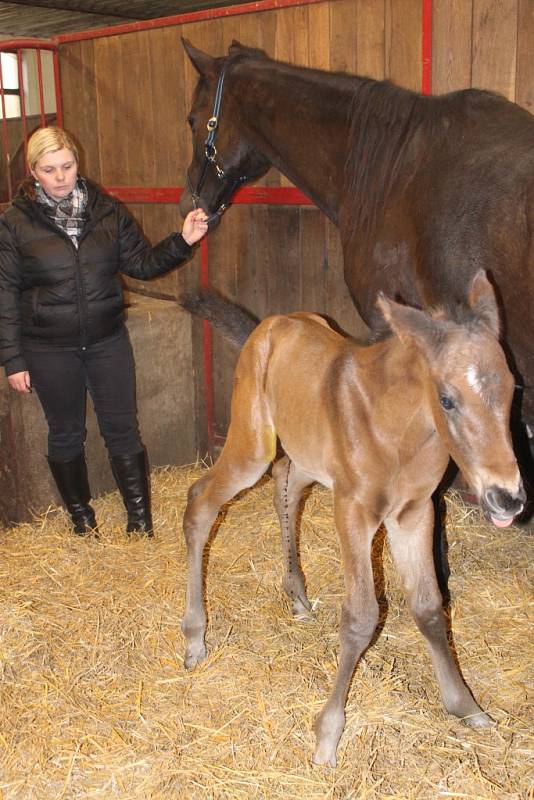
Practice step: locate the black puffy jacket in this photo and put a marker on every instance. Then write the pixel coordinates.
(52, 294)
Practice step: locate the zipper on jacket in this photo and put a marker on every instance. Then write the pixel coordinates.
(82, 300)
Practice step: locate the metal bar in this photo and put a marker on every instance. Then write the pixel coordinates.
(40, 82)
(5, 138)
(426, 77)
(259, 195)
(26, 44)
(57, 87)
(22, 109)
(181, 19)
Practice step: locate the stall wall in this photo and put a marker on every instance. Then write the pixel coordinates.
(126, 98)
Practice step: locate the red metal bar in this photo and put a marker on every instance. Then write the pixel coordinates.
(271, 195)
(22, 108)
(40, 82)
(57, 87)
(181, 19)
(26, 44)
(5, 137)
(208, 351)
(426, 77)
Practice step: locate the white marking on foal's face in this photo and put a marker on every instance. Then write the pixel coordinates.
(473, 378)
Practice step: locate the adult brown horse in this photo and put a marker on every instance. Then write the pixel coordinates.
(425, 190)
(376, 425)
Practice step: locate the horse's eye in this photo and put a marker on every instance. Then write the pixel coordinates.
(190, 120)
(446, 402)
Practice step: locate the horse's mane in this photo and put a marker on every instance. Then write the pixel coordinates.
(392, 131)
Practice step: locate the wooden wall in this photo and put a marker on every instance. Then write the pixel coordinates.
(126, 98)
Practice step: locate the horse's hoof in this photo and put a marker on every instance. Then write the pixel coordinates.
(480, 720)
(325, 756)
(194, 657)
(301, 608)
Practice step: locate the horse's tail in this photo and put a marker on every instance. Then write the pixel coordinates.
(234, 322)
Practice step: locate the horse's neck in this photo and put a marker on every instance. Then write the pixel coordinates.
(395, 379)
(299, 118)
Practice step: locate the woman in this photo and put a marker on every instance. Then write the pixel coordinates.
(63, 243)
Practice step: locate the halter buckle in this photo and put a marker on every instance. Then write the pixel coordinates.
(212, 123)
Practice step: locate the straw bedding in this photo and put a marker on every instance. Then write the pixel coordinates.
(95, 702)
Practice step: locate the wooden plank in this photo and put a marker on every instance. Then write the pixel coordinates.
(343, 44)
(168, 107)
(524, 91)
(313, 253)
(284, 275)
(403, 43)
(452, 32)
(253, 261)
(250, 29)
(138, 127)
(370, 39)
(110, 108)
(69, 69)
(301, 37)
(284, 43)
(494, 46)
(88, 112)
(319, 35)
(268, 24)
(230, 29)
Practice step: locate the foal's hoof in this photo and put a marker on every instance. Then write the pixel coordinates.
(325, 755)
(194, 656)
(301, 608)
(480, 720)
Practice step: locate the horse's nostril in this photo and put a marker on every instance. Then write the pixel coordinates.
(500, 501)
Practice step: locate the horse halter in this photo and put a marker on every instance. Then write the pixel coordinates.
(210, 153)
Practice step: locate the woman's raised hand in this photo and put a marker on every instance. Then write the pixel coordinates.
(195, 226)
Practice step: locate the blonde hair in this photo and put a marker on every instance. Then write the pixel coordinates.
(48, 140)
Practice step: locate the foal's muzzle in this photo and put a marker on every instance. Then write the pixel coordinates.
(501, 506)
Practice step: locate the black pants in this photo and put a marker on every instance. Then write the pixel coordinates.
(61, 379)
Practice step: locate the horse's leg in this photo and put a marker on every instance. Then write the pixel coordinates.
(359, 619)
(289, 485)
(232, 473)
(411, 545)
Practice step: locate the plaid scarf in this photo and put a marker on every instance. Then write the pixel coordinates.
(67, 213)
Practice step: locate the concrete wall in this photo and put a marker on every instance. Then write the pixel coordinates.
(161, 338)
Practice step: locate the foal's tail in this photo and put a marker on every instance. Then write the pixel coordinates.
(235, 323)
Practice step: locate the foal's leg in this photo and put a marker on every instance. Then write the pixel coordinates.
(289, 485)
(411, 545)
(232, 473)
(359, 618)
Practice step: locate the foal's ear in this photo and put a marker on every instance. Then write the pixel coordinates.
(483, 301)
(202, 62)
(410, 324)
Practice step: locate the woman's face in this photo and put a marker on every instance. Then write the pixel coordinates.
(57, 172)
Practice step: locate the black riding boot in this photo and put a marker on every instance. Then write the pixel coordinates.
(73, 486)
(131, 474)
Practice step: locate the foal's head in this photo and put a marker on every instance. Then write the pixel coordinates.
(471, 391)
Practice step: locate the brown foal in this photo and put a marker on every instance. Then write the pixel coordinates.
(376, 425)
